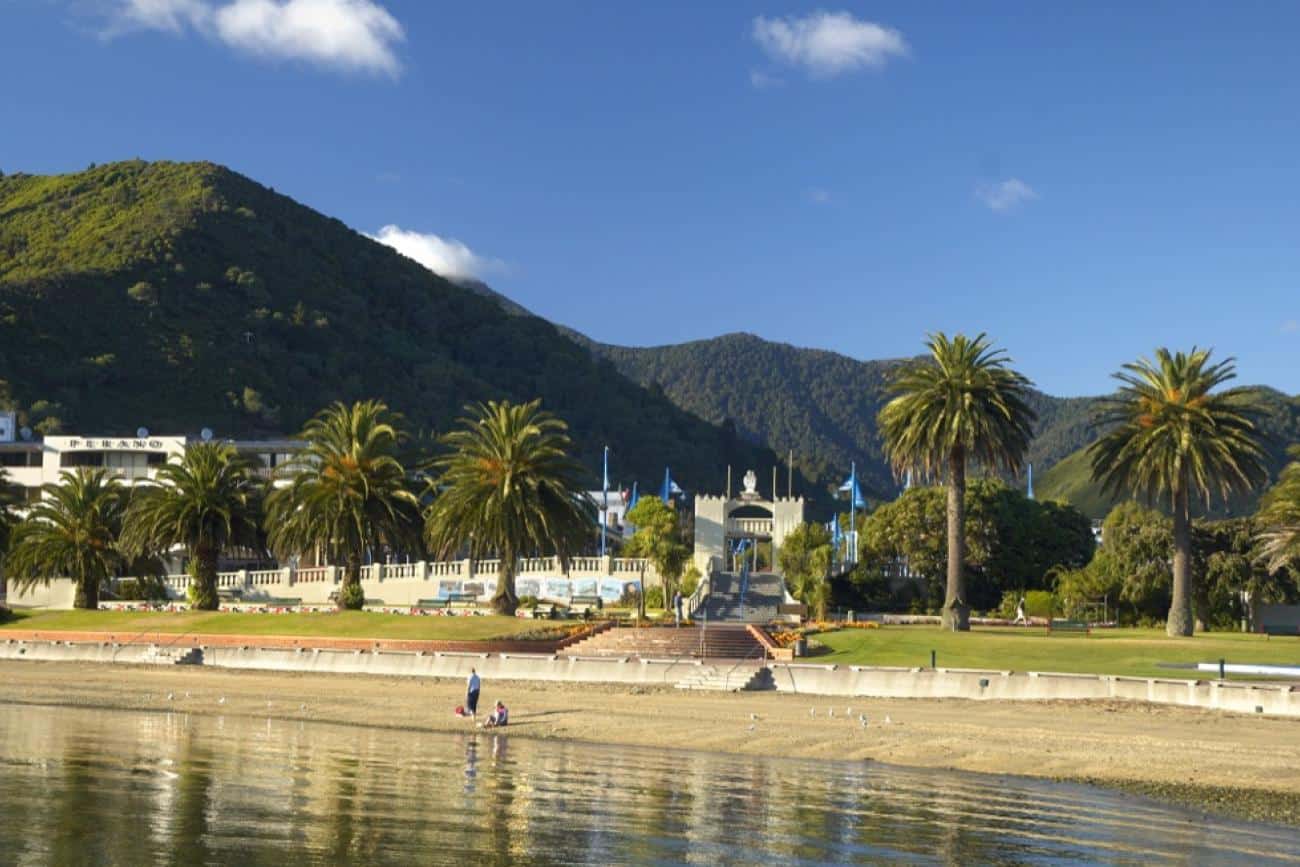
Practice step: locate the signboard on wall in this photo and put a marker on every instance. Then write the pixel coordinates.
(8, 429)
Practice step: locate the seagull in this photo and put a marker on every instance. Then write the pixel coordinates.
(751, 727)
(830, 712)
(303, 707)
(887, 719)
(864, 722)
(862, 718)
(170, 696)
(812, 711)
(848, 711)
(187, 693)
(753, 716)
(221, 700)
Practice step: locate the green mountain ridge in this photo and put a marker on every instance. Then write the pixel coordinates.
(183, 295)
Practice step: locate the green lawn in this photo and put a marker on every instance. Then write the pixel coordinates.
(1133, 652)
(350, 624)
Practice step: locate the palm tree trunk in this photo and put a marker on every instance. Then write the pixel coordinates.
(504, 601)
(956, 616)
(351, 596)
(87, 595)
(1180, 605)
(205, 579)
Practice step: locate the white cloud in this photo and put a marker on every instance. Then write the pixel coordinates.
(446, 257)
(352, 35)
(819, 196)
(1291, 326)
(828, 43)
(1005, 196)
(762, 80)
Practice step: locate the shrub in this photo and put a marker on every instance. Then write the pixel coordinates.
(690, 581)
(150, 588)
(352, 597)
(529, 601)
(654, 597)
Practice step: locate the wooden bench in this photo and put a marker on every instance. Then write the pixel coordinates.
(1271, 629)
(1068, 626)
(279, 601)
(230, 594)
(447, 601)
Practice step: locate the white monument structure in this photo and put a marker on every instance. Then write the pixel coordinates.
(722, 522)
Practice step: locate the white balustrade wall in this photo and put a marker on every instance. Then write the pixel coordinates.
(402, 584)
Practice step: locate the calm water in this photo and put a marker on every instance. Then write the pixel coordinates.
(89, 787)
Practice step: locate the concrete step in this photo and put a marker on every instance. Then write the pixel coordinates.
(729, 679)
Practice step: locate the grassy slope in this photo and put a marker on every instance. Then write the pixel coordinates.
(259, 311)
(351, 624)
(1133, 652)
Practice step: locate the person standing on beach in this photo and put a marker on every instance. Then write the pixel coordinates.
(471, 694)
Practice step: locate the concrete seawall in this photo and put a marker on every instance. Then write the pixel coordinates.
(806, 679)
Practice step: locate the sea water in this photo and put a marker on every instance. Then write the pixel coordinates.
(107, 787)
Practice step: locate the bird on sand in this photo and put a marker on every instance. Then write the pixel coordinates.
(812, 711)
(830, 712)
(887, 719)
(753, 716)
(170, 696)
(751, 727)
(221, 700)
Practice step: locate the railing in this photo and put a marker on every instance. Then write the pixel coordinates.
(395, 571)
(697, 599)
(447, 569)
(263, 577)
(230, 579)
(532, 565)
(750, 526)
(487, 567)
(629, 564)
(311, 575)
(587, 564)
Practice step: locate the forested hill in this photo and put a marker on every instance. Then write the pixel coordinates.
(183, 295)
(821, 404)
(824, 405)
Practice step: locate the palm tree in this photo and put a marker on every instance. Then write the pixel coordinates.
(346, 493)
(1279, 543)
(964, 403)
(1168, 435)
(209, 502)
(509, 487)
(71, 532)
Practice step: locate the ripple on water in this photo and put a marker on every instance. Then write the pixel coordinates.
(81, 786)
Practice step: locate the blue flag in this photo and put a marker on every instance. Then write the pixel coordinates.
(670, 488)
(851, 487)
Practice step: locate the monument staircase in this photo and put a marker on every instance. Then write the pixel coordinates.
(760, 602)
(716, 641)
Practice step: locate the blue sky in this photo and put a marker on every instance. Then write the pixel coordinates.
(1082, 181)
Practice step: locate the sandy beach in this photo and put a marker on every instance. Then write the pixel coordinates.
(1235, 764)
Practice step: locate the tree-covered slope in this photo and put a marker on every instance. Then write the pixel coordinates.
(182, 295)
(824, 405)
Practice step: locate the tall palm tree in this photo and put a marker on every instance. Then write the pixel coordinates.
(209, 502)
(1279, 543)
(963, 403)
(508, 487)
(346, 493)
(71, 532)
(1169, 436)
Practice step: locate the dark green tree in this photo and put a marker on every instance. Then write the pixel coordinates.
(346, 493)
(805, 561)
(963, 404)
(1279, 516)
(208, 502)
(72, 532)
(508, 487)
(1171, 435)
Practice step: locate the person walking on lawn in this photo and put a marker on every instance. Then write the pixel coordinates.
(471, 695)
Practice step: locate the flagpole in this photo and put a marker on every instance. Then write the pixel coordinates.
(853, 512)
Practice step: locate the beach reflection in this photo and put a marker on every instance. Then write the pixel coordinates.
(114, 787)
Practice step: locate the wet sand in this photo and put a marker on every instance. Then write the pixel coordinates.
(1240, 765)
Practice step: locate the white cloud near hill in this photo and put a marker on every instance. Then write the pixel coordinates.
(828, 43)
(1006, 196)
(347, 35)
(446, 257)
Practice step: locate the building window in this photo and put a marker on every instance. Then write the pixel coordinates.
(156, 459)
(81, 459)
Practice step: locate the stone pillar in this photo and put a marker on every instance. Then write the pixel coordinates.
(243, 579)
(608, 565)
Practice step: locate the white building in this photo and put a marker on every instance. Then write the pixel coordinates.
(32, 462)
